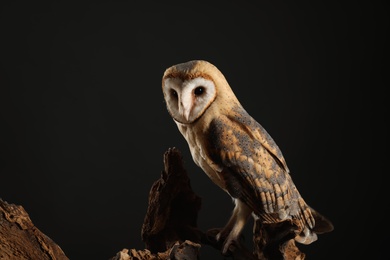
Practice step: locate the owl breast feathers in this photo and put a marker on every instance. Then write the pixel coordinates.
(236, 152)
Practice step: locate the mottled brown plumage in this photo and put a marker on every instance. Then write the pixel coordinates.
(236, 152)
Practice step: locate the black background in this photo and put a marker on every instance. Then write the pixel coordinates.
(84, 126)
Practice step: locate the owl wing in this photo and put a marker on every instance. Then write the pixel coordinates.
(254, 170)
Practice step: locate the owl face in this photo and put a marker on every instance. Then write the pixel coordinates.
(188, 99)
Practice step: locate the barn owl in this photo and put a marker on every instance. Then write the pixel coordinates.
(236, 153)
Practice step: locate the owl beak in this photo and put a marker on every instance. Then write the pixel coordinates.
(185, 111)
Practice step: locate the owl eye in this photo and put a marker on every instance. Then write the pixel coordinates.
(199, 91)
(174, 93)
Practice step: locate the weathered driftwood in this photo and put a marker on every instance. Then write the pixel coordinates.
(169, 230)
(173, 207)
(184, 251)
(171, 220)
(20, 239)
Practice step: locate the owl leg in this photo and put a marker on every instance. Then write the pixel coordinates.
(232, 231)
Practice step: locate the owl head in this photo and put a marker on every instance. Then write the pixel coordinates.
(191, 88)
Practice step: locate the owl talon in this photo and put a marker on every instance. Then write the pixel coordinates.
(212, 235)
(223, 240)
(229, 246)
(221, 236)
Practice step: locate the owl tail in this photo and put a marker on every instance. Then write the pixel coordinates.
(321, 225)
